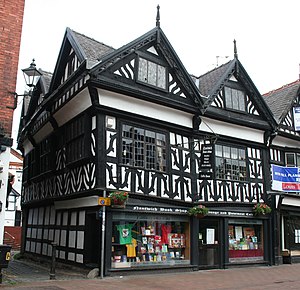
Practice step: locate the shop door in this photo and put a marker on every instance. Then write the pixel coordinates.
(209, 244)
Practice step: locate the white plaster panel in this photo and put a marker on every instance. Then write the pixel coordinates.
(46, 130)
(292, 201)
(144, 108)
(231, 130)
(75, 106)
(282, 141)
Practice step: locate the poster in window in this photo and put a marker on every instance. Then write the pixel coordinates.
(238, 233)
(297, 118)
(210, 236)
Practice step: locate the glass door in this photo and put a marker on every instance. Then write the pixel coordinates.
(209, 243)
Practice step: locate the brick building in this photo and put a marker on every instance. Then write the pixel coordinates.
(11, 20)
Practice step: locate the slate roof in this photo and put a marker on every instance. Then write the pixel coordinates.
(281, 99)
(46, 80)
(208, 82)
(93, 49)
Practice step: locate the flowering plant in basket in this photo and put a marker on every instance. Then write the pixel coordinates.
(118, 197)
(261, 209)
(198, 210)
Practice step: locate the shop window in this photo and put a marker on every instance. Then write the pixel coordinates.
(245, 242)
(230, 163)
(234, 99)
(151, 73)
(143, 148)
(146, 242)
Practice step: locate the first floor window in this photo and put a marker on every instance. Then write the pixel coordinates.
(143, 148)
(230, 163)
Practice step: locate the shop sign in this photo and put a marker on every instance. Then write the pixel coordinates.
(205, 175)
(159, 209)
(230, 213)
(104, 201)
(285, 178)
(206, 159)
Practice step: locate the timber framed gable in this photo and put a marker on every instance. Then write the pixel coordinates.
(148, 68)
(230, 95)
(282, 102)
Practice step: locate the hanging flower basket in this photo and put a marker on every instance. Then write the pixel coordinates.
(261, 209)
(118, 199)
(198, 211)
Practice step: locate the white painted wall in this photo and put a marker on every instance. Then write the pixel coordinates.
(4, 158)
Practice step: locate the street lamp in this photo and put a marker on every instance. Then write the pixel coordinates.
(31, 75)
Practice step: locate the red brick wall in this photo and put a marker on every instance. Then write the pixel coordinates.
(11, 20)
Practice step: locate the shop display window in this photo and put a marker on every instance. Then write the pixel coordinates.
(245, 242)
(149, 243)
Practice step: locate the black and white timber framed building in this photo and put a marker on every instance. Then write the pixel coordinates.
(132, 119)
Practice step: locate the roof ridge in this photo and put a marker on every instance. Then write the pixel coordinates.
(282, 87)
(217, 67)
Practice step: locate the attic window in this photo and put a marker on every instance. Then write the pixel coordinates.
(234, 99)
(151, 73)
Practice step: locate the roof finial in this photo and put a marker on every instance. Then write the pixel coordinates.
(157, 17)
(235, 49)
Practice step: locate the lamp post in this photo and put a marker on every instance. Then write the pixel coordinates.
(31, 76)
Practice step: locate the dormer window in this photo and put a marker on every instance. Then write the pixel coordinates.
(151, 73)
(234, 99)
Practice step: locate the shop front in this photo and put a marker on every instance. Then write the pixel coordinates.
(148, 236)
(232, 237)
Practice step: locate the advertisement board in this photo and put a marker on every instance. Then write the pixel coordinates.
(285, 178)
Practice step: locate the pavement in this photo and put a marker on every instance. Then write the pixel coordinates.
(28, 275)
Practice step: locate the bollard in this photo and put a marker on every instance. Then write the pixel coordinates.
(52, 269)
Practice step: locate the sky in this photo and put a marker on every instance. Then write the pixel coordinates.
(201, 32)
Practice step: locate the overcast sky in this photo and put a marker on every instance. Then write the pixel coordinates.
(267, 32)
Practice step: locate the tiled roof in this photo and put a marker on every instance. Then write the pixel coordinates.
(93, 49)
(280, 100)
(208, 81)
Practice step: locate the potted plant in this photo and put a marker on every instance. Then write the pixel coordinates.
(118, 198)
(261, 209)
(198, 210)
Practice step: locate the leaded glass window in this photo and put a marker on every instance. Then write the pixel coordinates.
(230, 163)
(152, 73)
(143, 148)
(234, 99)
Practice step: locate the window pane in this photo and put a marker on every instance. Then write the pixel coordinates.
(290, 159)
(241, 101)
(235, 99)
(152, 75)
(142, 74)
(228, 100)
(161, 77)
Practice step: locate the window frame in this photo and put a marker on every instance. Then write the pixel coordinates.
(157, 62)
(239, 97)
(237, 162)
(296, 161)
(74, 136)
(146, 160)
